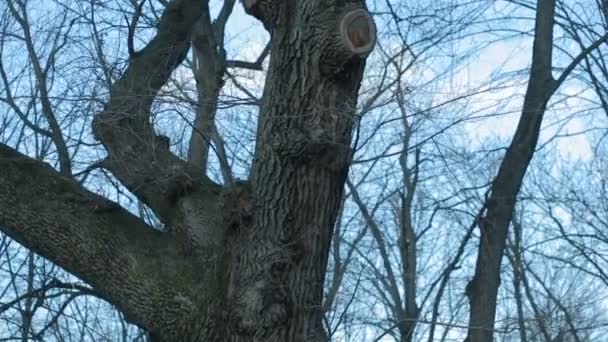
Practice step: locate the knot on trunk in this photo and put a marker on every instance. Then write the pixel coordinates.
(238, 204)
(358, 32)
(352, 36)
(315, 145)
(263, 10)
(258, 308)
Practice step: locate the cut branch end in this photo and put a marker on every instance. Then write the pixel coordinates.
(358, 32)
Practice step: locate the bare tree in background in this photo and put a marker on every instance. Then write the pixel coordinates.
(483, 288)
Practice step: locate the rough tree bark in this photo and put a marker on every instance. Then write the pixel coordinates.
(243, 262)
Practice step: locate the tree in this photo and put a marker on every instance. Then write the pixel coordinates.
(242, 261)
(494, 224)
(129, 156)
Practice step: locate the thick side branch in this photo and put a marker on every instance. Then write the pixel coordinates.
(130, 264)
(136, 156)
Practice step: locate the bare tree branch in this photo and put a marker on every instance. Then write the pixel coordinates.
(125, 260)
(139, 158)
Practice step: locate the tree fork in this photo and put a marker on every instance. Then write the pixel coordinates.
(240, 263)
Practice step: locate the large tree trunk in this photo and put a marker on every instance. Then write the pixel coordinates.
(243, 262)
(301, 161)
